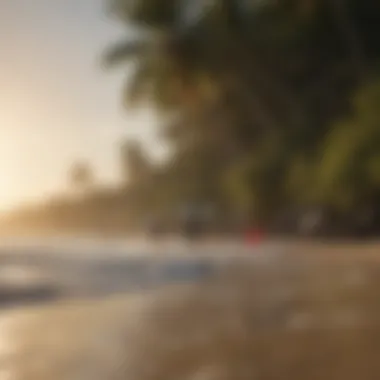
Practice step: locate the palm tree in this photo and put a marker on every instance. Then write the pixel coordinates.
(234, 62)
(192, 55)
(182, 50)
(163, 58)
(81, 176)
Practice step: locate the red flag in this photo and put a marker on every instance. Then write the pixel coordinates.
(254, 236)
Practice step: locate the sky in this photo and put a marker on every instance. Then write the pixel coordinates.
(57, 104)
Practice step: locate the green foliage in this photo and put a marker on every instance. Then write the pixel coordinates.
(348, 173)
(275, 102)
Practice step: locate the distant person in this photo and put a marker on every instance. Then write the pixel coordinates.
(154, 228)
(191, 223)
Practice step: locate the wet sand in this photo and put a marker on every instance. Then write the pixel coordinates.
(289, 319)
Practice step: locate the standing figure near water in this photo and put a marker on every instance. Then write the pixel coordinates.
(154, 228)
(191, 223)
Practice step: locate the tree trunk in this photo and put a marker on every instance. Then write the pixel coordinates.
(347, 30)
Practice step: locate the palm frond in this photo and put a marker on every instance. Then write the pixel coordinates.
(125, 51)
(138, 87)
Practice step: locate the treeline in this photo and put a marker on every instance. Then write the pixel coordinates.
(270, 109)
